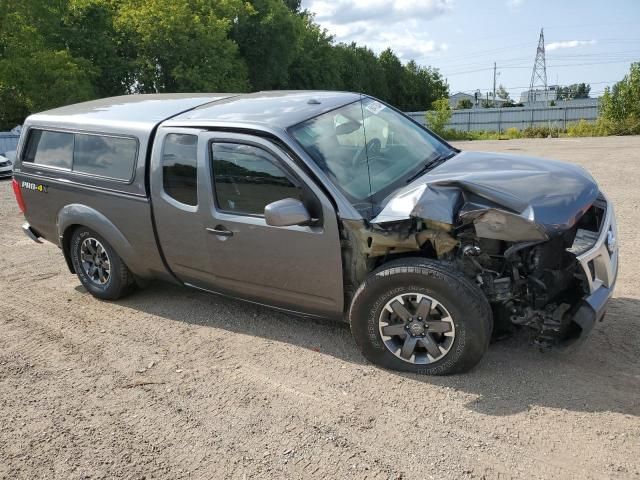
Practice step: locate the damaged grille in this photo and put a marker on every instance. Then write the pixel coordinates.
(589, 228)
(584, 240)
(595, 245)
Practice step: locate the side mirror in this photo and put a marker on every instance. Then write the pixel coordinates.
(286, 212)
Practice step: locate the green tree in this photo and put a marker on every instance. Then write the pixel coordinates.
(464, 104)
(183, 45)
(293, 5)
(88, 32)
(316, 65)
(620, 107)
(421, 87)
(360, 70)
(56, 52)
(502, 93)
(268, 37)
(576, 90)
(37, 72)
(394, 74)
(438, 118)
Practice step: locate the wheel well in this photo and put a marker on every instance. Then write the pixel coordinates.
(427, 252)
(66, 245)
(424, 253)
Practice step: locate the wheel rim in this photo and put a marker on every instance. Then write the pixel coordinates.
(417, 328)
(95, 261)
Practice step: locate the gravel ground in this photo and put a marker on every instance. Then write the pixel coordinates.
(172, 383)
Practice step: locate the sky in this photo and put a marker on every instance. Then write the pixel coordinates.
(591, 41)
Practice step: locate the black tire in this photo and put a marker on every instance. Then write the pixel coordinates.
(467, 308)
(119, 281)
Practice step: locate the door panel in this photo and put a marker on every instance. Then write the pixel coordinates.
(297, 268)
(178, 205)
(219, 248)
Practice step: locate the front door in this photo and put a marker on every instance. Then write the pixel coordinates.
(297, 268)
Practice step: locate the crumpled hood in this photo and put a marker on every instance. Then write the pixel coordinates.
(550, 194)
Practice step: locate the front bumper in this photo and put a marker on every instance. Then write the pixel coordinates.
(600, 267)
(6, 172)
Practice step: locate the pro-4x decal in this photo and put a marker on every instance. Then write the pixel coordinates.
(38, 187)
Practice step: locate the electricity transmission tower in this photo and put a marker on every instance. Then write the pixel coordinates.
(539, 74)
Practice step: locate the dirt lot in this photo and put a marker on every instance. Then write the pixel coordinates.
(171, 383)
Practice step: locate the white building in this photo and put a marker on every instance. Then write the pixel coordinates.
(477, 100)
(540, 95)
(456, 98)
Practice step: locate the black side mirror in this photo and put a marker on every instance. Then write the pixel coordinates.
(286, 212)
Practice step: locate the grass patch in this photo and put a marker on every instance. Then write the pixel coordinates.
(599, 128)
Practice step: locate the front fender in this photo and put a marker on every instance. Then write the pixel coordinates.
(82, 215)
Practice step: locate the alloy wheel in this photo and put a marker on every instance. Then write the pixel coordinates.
(95, 261)
(416, 328)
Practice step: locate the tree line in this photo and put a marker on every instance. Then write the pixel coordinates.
(57, 52)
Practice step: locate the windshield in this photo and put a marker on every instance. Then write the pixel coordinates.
(367, 149)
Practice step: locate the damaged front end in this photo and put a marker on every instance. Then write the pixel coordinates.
(544, 254)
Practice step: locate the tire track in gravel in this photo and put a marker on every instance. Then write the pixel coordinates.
(251, 374)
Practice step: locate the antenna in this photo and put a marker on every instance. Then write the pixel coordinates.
(539, 74)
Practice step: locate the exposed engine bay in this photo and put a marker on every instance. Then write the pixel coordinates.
(522, 252)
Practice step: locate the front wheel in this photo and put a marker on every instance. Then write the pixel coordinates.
(421, 316)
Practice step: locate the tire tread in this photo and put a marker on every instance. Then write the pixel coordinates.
(453, 279)
(123, 280)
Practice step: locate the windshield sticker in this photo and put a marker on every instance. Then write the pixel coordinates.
(375, 107)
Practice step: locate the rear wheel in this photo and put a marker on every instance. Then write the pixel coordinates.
(421, 316)
(99, 268)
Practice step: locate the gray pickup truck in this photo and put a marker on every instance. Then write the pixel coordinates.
(325, 204)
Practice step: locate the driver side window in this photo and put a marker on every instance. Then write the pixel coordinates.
(248, 178)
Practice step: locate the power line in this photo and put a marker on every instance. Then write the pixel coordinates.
(484, 53)
(593, 63)
(453, 61)
(527, 86)
(556, 56)
(452, 74)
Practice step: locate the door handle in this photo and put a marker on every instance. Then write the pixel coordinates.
(220, 231)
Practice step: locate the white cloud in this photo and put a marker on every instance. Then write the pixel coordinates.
(407, 45)
(379, 11)
(568, 44)
(379, 24)
(514, 4)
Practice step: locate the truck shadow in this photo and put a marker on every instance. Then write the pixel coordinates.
(602, 375)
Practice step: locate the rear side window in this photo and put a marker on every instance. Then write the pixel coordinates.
(53, 149)
(112, 157)
(105, 156)
(179, 168)
(248, 178)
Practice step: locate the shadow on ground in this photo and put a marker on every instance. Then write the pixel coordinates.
(603, 374)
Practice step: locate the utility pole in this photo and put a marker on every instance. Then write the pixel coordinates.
(539, 74)
(494, 84)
